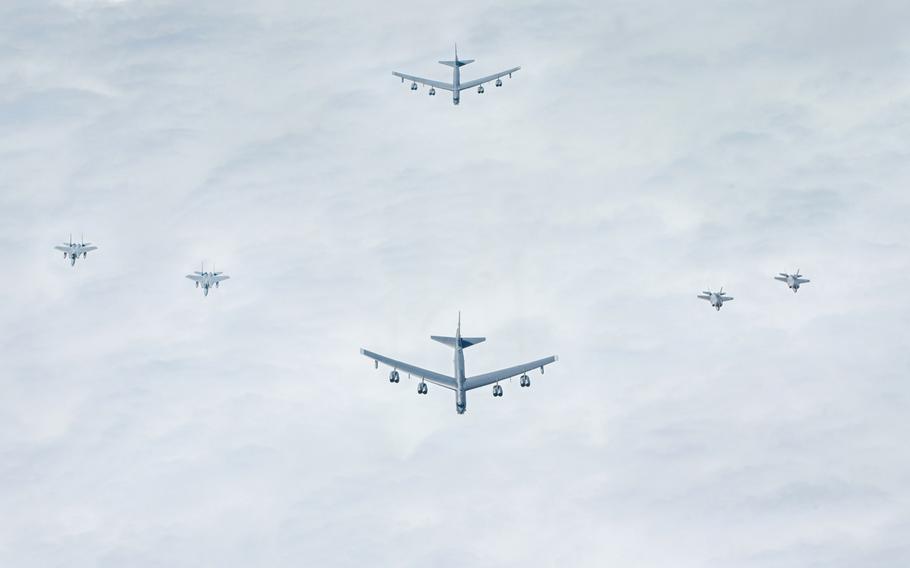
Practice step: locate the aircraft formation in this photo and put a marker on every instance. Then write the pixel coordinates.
(458, 382)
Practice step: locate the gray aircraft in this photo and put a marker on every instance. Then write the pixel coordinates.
(793, 280)
(75, 250)
(717, 299)
(207, 279)
(456, 86)
(460, 384)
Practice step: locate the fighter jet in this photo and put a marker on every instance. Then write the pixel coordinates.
(793, 280)
(75, 250)
(459, 383)
(717, 299)
(456, 86)
(207, 279)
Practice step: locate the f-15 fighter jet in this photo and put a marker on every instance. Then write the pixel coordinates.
(207, 279)
(73, 250)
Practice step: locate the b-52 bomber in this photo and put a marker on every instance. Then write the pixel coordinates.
(73, 250)
(793, 281)
(459, 383)
(207, 279)
(456, 86)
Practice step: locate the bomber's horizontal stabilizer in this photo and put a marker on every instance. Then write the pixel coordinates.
(460, 63)
(465, 341)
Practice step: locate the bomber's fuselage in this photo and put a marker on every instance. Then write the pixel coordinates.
(461, 397)
(456, 82)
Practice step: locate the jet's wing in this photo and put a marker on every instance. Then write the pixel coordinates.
(64, 249)
(488, 78)
(194, 277)
(803, 280)
(727, 298)
(427, 82)
(781, 278)
(704, 296)
(503, 374)
(220, 277)
(88, 249)
(429, 376)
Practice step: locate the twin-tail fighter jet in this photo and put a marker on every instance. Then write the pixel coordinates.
(793, 281)
(460, 384)
(456, 86)
(207, 279)
(717, 299)
(75, 250)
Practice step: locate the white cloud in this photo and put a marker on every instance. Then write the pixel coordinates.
(642, 154)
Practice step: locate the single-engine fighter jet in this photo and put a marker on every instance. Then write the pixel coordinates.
(75, 250)
(207, 279)
(456, 86)
(793, 280)
(717, 299)
(459, 383)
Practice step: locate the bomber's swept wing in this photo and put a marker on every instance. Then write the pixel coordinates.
(429, 376)
(427, 82)
(488, 78)
(503, 374)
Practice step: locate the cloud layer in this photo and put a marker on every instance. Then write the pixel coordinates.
(643, 153)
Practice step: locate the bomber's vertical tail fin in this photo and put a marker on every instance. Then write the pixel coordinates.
(458, 340)
(457, 62)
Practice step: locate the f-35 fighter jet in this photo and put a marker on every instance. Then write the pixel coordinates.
(717, 299)
(793, 280)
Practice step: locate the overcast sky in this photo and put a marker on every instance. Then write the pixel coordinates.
(646, 151)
